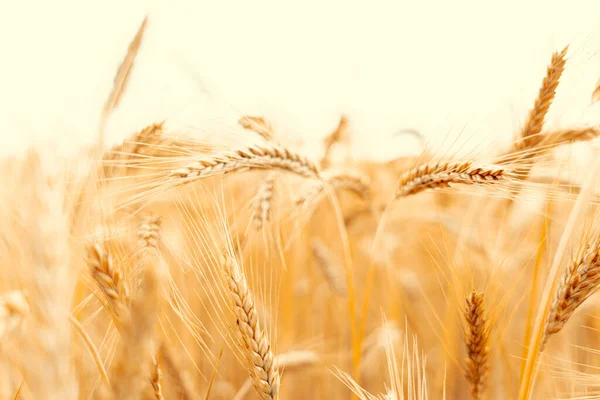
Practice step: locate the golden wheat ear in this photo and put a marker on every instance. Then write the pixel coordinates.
(580, 281)
(477, 343)
(253, 340)
(268, 156)
(436, 175)
(535, 121)
(121, 80)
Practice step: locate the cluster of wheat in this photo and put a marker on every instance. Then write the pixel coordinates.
(178, 267)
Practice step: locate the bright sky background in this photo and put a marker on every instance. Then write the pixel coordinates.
(442, 67)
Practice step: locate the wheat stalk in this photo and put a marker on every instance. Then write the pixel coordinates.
(257, 156)
(476, 340)
(430, 176)
(252, 338)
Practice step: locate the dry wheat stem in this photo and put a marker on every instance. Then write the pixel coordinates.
(476, 340)
(430, 176)
(253, 157)
(535, 121)
(580, 281)
(252, 338)
(262, 202)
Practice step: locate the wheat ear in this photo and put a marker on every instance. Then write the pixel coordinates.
(262, 203)
(476, 340)
(337, 135)
(258, 156)
(133, 358)
(535, 120)
(580, 281)
(142, 143)
(258, 125)
(121, 80)
(357, 184)
(156, 378)
(13, 310)
(430, 176)
(252, 338)
(109, 279)
(330, 267)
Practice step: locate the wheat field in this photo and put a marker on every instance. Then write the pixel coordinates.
(236, 264)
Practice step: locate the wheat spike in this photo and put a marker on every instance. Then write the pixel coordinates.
(143, 143)
(337, 135)
(263, 200)
(535, 121)
(252, 338)
(330, 267)
(338, 180)
(580, 281)
(13, 309)
(120, 81)
(257, 156)
(156, 378)
(131, 372)
(476, 340)
(109, 279)
(258, 125)
(430, 176)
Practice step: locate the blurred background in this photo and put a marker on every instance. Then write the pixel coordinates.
(460, 69)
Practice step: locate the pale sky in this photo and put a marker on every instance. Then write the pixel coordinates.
(442, 67)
